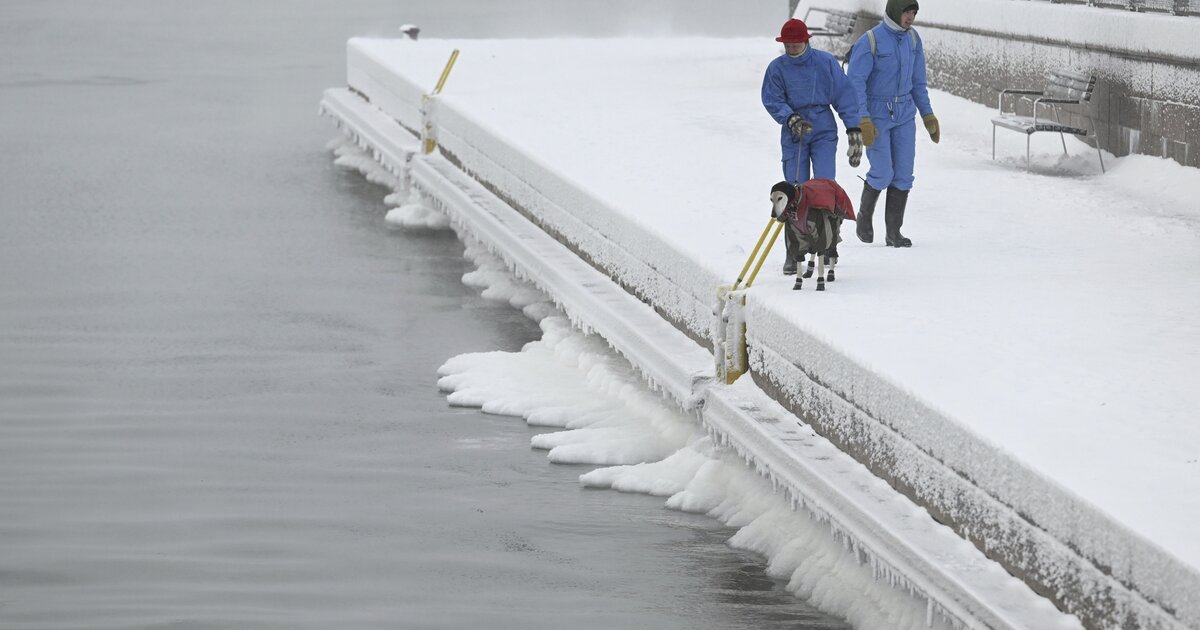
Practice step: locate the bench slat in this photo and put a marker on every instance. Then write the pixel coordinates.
(1024, 124)
(1078, 76)
(1070, 85)
(837, 23)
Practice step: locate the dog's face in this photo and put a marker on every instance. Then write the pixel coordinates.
(783, 196)
(779, 203)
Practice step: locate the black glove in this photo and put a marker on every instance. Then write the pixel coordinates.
(798, 126)
(854, 136)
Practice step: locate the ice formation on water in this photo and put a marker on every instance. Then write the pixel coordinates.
(412, 210)
(566, 379)
(356, 157)
(573, 380)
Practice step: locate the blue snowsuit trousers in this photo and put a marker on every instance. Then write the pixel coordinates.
(895, 149)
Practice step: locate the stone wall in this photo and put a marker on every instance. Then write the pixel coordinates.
(1142, 104)
(1145, 101)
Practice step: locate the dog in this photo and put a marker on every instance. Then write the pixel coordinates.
(812, 213)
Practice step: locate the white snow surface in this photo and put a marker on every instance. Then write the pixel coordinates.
(1049, 311)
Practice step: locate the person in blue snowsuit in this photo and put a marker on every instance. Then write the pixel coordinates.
(798, 90)
(887, 70)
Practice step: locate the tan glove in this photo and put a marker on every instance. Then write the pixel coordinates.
(932, 126)
(868, 130)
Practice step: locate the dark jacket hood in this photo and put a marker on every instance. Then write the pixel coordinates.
(896, 7)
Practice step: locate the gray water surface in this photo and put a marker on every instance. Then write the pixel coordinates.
(218, 403)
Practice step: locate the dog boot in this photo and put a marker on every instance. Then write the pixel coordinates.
(894, 217)
(866, 208)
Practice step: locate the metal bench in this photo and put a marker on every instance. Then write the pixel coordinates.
(1063, 90)
(839, 27)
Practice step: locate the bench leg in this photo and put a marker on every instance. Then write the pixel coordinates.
(1096, 137)
(1062, 136)
(993, 142)
(1028, 164)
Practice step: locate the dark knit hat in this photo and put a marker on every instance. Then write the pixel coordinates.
(897, 7)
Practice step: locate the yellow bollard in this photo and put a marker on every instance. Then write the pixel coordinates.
(730, 352)
(428, 134)
(735, 359)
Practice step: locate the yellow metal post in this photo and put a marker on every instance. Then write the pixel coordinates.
(430, 140)
(753, 253)
(763, 258)
(446, 72)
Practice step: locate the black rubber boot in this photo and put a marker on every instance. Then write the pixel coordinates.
(894, 217)
(792, 244)
(866, 208)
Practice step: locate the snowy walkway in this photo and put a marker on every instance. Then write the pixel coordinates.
(1045, 317)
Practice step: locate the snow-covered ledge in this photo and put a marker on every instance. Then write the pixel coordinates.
(902, 544)
(1080, 563)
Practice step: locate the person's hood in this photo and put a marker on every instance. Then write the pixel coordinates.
(897, 7)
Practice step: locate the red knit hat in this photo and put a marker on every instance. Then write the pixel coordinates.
(793, 32)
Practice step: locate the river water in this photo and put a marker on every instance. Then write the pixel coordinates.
(218, 402)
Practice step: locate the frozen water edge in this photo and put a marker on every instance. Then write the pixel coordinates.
(937, 566)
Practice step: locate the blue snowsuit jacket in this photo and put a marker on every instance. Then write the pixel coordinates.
(894, 74)
(808, 85)
(890, 87)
